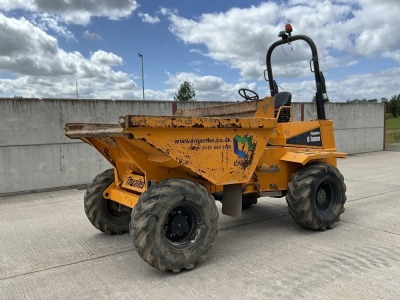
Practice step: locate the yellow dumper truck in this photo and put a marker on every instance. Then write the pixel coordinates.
(169, 170)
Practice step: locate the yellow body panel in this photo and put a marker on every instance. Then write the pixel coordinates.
(211, 153)
(254, 151)
(121, 196)
(305, 157)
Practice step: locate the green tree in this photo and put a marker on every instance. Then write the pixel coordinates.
(186, 92)
(394, 106)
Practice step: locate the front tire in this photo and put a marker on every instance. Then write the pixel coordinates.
(316, 196)
(106, 215)
(174, 224)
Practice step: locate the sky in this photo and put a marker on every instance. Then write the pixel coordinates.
(89, 49)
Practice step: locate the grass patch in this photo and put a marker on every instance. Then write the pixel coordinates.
(393, 123)
(392, 132)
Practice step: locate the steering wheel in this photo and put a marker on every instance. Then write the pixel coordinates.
(245, 94)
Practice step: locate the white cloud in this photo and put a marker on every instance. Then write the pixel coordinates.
(207, 87)
(106, 58)
(146, 18)
(17, 4)
(395, 55)
(75, 11)
(346, 32)
(369, 86)
(21, 37)
(91, 36)
(42, 69)
(196, 62)
(236, 37)
(63, 87)
(52, 22)
(240, 37)
(200, 83)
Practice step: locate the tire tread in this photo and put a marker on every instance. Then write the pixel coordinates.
(299, 201)
(145, 216)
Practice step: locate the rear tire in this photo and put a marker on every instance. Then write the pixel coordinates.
(316, 196)
(174, 224)
(106, 215)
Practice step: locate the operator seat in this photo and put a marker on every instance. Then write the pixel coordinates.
(283, 99)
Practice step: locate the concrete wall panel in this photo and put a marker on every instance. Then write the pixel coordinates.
(38, 122)
(358, 127)
(35, 167)
(35, 154)
(359, 140)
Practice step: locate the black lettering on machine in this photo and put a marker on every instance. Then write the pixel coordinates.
(311, 138)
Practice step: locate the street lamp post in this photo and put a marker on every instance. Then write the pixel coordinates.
(141, 56)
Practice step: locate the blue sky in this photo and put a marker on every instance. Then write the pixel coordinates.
(219, 46)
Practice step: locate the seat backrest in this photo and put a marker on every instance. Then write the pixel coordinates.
(282, 99)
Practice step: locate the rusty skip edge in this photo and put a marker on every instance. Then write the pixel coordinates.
(131, 121)
(77, 130)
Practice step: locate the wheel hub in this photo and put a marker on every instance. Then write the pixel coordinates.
(321, 196)
(179, 225)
